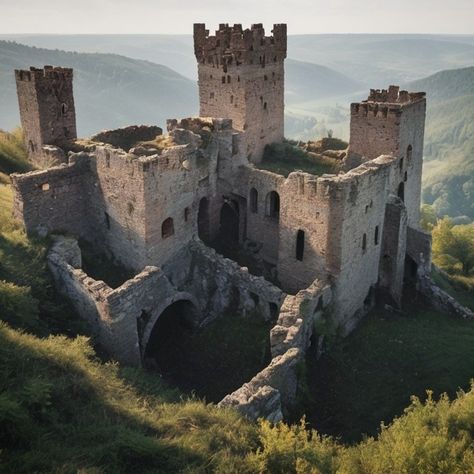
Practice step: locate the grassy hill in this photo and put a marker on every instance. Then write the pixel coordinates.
(110, 90)
(64, 409)
(449, 142)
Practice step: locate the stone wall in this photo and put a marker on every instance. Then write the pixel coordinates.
(55, 199)
(241, 77)
(392, 122)
(357, 207)
(127, 137)
(47, 109)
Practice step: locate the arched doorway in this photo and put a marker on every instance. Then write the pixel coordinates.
(173, 322)
(203, 220)
(229, 222)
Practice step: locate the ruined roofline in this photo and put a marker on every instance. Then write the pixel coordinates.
(393, 96)
(232, 44)
(48, 72)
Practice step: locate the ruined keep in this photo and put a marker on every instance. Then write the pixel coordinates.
(241, 77)
(47, 112)
(320, 247)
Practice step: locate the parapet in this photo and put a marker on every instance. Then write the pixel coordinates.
(394, 95)
(383, 103)
(233, 46)
(48, 72)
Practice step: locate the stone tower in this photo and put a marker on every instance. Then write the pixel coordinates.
(47, 110)
(241, 77)
(392, 122)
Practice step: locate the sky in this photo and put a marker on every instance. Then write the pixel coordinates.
(177, 16)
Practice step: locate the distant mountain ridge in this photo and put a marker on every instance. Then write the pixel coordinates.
(110, 90)
(449, 142)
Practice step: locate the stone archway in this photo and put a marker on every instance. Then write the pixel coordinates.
(164, 329)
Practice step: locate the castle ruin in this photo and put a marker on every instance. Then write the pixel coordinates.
(157, 202)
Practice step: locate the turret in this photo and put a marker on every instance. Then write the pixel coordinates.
(47, 109)
(241, 77)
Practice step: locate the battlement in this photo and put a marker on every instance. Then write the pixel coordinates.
(48, 72)
(233, 46)
(384, 103)
(394, 95)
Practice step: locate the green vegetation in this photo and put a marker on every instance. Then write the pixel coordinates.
(453, 255)
(13, 157)
(284, 158)
(110, 91)
(64, 410)
(448, 181)
(27, 295)
(61, 410)
(215, 360)
(369, 376)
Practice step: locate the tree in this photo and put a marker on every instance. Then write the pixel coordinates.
(455, 241)
(428, 218)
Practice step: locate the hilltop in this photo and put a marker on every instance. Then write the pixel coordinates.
(110, 90)
(449, 142)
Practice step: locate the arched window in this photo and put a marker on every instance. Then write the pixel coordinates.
(272, 202)
(364, 243)
(186, 214)
(376, 235)
(401, 191)
(300, 245)
(409, 153)
(64, 108)
(167, 228)
(254, 200)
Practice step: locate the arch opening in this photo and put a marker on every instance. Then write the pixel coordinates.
(160, 351)
(273, 205)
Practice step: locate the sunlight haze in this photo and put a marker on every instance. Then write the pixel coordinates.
(302, 16)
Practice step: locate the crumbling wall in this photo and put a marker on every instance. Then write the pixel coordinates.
(127, 137)
(54, 199)
(221, 286)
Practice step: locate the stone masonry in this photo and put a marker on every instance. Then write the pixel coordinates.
(156, 202)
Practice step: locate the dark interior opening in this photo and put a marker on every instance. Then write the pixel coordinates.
(401, 191)
(229, 223)
(300, 245)
(273, 205)
(203, 220)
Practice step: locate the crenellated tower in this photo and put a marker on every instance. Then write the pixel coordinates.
(47, 109)
(392, 122)
(241, 77)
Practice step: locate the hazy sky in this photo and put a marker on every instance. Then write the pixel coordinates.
(177, 16)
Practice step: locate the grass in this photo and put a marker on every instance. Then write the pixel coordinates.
(284, 158)
(63, 410)
(27, 295)
(215, 360)
(370, 376)
(458, 286)
(13, 156)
